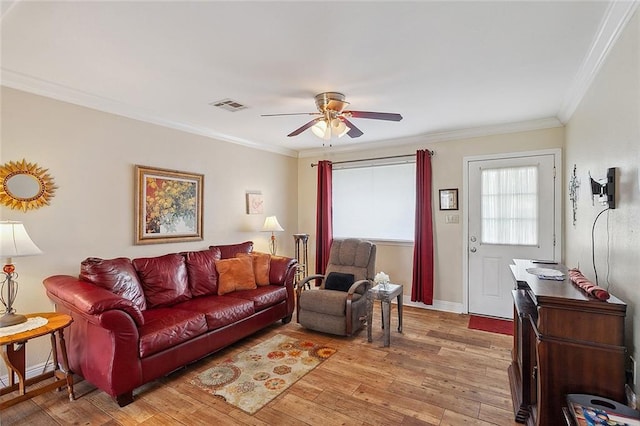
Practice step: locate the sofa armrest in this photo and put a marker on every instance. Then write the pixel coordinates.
(88, 298)
(280, 268)
(282, 271)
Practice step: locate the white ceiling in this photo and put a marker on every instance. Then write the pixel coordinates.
(445, 66)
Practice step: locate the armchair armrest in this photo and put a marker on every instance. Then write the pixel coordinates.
(357, 285)
(88, 298)
(352, 290)
(307, 279)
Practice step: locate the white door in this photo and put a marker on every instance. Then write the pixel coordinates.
(511, 215)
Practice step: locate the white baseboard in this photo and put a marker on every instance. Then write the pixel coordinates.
(30, 372)
(438, 305)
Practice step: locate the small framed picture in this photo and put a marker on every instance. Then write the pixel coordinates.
(449, 199)
(255, 202)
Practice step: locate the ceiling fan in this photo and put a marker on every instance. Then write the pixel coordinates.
(333, 119)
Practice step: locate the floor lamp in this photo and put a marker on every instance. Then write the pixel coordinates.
(14, 242)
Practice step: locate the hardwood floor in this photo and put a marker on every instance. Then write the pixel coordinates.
(437, 372)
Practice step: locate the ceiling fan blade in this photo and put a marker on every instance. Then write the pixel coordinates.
(299, 130)
(292, 113)
(375, 115)
(353, 132)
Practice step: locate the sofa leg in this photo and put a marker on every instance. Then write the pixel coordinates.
(287, 319)
(124, 399)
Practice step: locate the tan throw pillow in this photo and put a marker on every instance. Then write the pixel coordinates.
(261, 264)
(235, 274)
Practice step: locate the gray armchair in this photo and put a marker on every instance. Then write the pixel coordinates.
(340, 311)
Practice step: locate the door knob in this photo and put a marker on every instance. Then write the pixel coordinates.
(473, 239)
(472, 249)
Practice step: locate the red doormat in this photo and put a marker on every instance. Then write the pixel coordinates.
(493, 325)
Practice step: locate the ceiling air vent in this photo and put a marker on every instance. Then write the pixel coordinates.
(229, 105)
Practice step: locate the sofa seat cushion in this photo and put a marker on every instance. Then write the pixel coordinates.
(330, 302)
(166, 327)
(262, 297)
(219, 310)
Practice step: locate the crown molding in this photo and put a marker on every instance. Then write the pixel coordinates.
(521, 126)
(48, 89)
(615, 20)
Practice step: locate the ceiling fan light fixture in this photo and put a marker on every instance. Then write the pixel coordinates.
(338, 128)
(322, 130)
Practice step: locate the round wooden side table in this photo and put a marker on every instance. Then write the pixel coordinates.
(14, 351)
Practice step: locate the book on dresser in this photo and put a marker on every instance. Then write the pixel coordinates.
(565, 342)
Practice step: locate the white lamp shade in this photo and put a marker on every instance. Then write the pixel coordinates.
(322, 130)
(15, 242)
(271, 224)
(338, 127)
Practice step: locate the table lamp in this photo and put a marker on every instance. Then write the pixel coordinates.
(14, 242)
(271, 224)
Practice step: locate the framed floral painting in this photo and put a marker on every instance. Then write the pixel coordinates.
(168, 206)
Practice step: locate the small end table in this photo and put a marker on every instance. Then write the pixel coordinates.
(385, 295)
(13, 353)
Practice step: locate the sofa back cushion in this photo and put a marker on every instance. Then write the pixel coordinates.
(261, 264)
(116, 275)
(164, 279)
(235, 274)
(201, 270)
(230, 250)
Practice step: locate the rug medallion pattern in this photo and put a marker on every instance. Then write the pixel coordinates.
(253, 378)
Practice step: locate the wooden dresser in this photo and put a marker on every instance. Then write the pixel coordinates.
(564, 342)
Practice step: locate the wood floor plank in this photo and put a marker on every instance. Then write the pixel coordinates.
(405, 405)
(497, 416)
(436, 372)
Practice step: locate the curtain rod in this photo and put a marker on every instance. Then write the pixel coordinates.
(431, 154)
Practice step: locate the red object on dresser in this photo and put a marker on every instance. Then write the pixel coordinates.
(136, 321)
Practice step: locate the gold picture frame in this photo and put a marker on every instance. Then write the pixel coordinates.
(168, 205)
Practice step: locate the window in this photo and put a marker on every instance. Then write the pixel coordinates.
(375, 202)
(510, 206)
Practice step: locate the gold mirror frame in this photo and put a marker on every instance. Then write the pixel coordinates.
(29, 201)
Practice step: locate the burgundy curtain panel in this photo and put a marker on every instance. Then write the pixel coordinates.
(324, 216)
(422, 288)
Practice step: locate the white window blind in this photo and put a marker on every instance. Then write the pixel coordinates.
(510, 205)
(375, 202)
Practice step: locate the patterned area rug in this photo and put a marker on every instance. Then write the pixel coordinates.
(494, 325)
(253, 378)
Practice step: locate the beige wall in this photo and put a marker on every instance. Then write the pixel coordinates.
(91, 155)
(605, 132)
(396, 260)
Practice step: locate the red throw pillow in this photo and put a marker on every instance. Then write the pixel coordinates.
(235, 274)
(261, 264)
(201, 270)
(164, 279)
(115, 275)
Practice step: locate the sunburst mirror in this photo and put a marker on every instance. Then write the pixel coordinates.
(25, 186)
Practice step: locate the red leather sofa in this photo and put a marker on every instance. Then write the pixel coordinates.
(137, 320)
